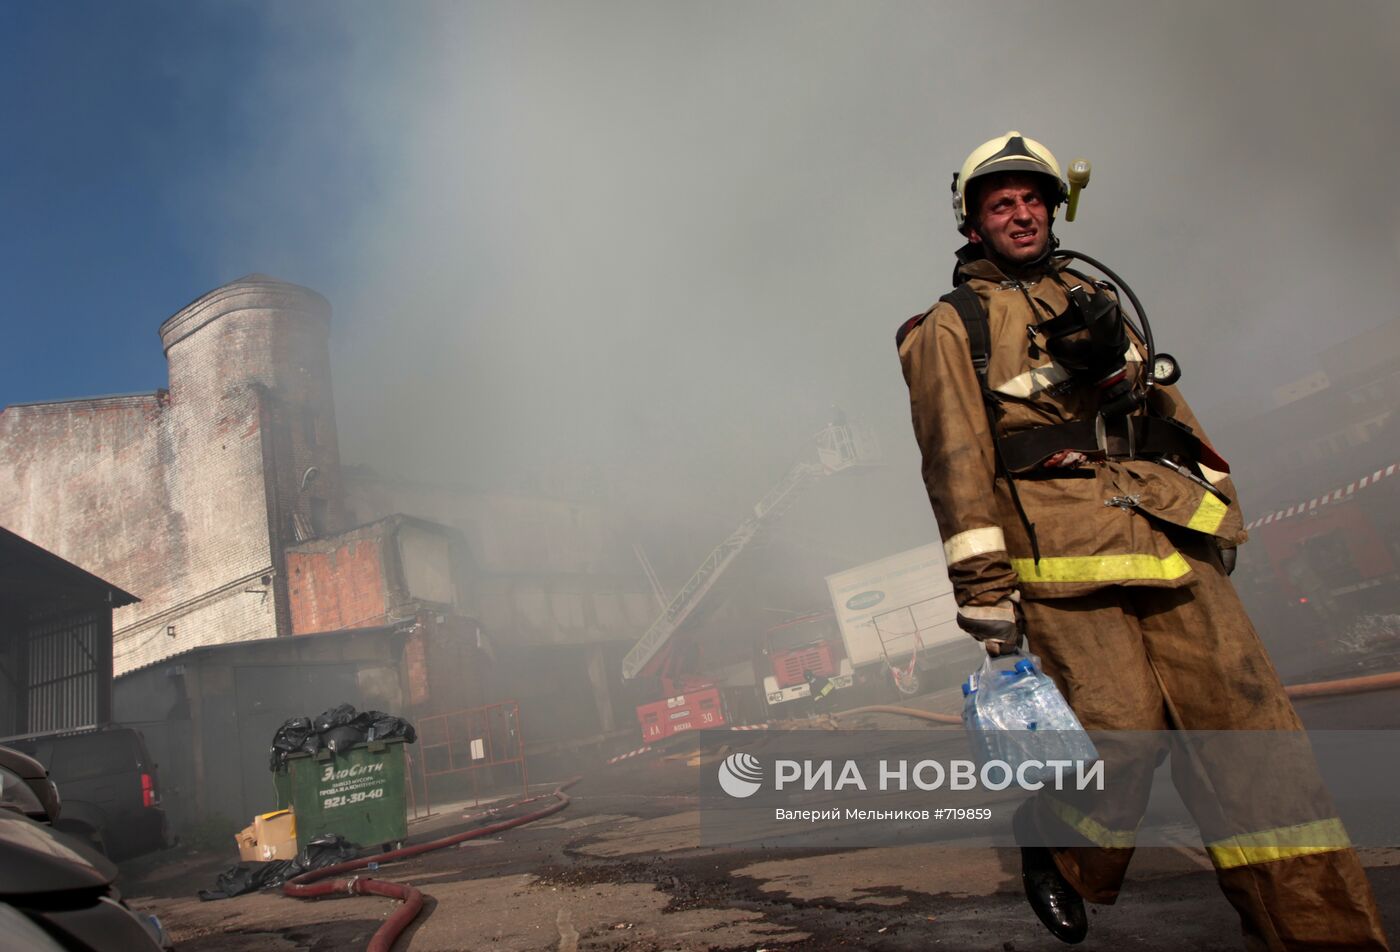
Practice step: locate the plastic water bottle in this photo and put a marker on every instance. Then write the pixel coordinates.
(1034, 704)
(1011, 708)
(976, 735)
(1023, 717)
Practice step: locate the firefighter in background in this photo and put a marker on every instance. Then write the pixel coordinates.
(819, 687)
(1082, 508)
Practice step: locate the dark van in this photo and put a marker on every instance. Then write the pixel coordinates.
(109, 788)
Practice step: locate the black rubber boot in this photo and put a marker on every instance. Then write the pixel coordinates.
(1054, 900)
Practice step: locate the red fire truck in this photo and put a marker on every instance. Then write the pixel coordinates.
(801, 656)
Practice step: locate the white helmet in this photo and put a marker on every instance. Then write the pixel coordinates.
(1012, 152)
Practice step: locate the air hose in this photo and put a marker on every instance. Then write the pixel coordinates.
(1144, 331)
(315, 883)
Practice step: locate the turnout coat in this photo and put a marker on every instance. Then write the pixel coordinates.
(1104, 523)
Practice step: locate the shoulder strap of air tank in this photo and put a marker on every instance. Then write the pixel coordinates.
(974, 318)
(979, 339)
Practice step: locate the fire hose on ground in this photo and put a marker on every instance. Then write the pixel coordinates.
(315, 884)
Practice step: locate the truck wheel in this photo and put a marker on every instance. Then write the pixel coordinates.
(907, 686)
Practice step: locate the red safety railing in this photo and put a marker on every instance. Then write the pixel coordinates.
(471, 740)
(416, 811)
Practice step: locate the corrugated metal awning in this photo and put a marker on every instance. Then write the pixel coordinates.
(33, 576)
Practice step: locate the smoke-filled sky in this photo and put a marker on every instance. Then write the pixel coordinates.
(662, 239)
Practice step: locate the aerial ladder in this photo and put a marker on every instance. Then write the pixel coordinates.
(692, 702)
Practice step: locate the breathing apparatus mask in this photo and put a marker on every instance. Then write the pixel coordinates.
(1090, 340)
(1090, 337)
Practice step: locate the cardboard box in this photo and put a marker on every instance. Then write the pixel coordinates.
(271, 836)
(275, 836)
(247, 842)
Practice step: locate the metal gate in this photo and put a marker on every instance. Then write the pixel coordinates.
(66, 672)
(471, 740)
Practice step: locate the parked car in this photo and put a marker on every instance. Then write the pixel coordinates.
(25, 786)
(55, 892)
(109, 789)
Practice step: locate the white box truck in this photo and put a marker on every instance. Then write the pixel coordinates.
(898, 621)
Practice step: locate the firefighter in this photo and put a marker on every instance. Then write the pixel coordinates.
(1082, 509)
(818, 687)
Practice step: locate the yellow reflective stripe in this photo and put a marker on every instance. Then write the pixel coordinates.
(1092, 830)
(1101, 568)
(1286, 842)
(1208, 515)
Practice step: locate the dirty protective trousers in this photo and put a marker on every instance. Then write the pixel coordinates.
(1135, 659)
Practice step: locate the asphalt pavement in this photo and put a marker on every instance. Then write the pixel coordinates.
(622, 868)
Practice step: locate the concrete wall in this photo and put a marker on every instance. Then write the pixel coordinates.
(373, 574)
(187, 497)
(400, 571)
(542, 570)
(209, 716)
(567, 693)
(426, 558)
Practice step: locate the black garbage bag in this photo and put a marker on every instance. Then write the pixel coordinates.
(380, 726)
(243, 878)
(250, 877)
(337, 716)
(327, 850)
(340, 739)
(294, 736)
(338, 729)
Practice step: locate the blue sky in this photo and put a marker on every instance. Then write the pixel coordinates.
(141, 146)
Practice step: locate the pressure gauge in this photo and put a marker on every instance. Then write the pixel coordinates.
(1165, 370)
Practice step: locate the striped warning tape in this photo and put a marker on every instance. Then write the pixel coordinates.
(1335, 495)
(630, 753)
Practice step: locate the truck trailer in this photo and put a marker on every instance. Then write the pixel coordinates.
(898, 622)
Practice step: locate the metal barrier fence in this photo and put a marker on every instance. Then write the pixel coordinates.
(471, 740)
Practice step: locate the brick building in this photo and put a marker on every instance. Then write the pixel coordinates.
(220, 502)
(189, 496)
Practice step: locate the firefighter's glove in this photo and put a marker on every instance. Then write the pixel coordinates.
(999, 627)
(1227, 559)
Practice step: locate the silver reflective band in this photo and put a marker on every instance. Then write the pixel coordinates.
(965, 545)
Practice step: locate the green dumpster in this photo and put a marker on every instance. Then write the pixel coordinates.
(359, 794)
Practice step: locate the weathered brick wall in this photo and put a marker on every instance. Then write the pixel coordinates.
(187, 498)
(86, 480)
(372, 574)
(335, 585)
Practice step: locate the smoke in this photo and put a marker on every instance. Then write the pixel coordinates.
(658, 241)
